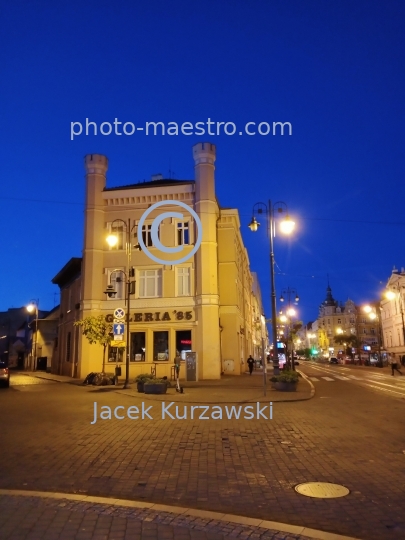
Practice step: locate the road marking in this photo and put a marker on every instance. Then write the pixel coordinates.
(385, 390)
(327, 379)
(357, 378)
(314, 379)
(342, 378)
(390, 385)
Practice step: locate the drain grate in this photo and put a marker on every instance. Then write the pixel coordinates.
(322, 490)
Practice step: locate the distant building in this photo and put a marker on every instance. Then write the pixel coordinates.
(344, 319)
(210, 303)
(18, 334)
(14, 336)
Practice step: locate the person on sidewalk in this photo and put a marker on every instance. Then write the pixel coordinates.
(177, 363)
(394, 364)
(250, 363)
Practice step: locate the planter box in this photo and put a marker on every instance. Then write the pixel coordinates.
(155, 388)
(139, 386)
(285, 386)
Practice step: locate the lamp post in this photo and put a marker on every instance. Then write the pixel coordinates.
(286, 226)
(290, 312)
(263, 334)
(33, 307)
(112, 241)
(371, 312)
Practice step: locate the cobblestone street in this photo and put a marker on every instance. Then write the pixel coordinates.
(243, 467)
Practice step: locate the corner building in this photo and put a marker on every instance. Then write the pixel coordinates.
(210, 303)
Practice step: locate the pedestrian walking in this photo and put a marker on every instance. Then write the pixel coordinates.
(250, 363)
(177, 363)
(394, 364)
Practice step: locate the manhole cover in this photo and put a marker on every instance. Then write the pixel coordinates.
(322, 490)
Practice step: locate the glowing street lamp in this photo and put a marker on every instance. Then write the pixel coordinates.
(112, 240)
(287, 228)
(372, 315)
(33, 308)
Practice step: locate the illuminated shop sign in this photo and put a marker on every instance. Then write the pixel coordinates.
(157, 316)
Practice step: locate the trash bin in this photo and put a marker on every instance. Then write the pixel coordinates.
(118, 371)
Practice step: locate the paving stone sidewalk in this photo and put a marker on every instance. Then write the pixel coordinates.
(34, 518)
(228, 389)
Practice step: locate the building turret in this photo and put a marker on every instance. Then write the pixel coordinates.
(207, 298)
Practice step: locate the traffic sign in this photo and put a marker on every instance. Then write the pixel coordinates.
(119, 313)
(117, 344)
(118, 329)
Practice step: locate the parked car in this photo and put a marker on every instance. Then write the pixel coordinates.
(333, 360)
(4, 374)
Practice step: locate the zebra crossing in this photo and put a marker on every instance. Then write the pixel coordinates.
(377, 381)
(330, 379)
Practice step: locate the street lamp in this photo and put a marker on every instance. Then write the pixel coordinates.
(290, 313)
(371, 312)
(112, 241)
(286, 228)
(33, 307)
(289, 293)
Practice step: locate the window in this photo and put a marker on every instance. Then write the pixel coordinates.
(138, 347)
(117, 280)
(115, 354)
(69, 302)
(183, 342)
(183, 236)
(147, 235)
(68, 342)
(160, 346)
(150, 283)
(118, 230)
(183, 281)
(339, 321)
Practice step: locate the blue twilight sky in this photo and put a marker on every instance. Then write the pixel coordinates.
(334, 70)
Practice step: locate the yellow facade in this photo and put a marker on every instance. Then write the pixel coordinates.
(205, 304)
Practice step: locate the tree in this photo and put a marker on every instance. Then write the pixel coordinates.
(97, 330)
(349, 341)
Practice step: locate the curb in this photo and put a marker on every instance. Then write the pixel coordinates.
(259, 399)
(232, 518)
(76, 382)
(311, 384)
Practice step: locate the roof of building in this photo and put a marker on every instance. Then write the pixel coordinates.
(329, 300)
(71, 270)
(152, 183)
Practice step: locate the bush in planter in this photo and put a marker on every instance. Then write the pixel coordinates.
(99, 379)
(287, 380)
(155, 386)
(287, 376)
(140, 380)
